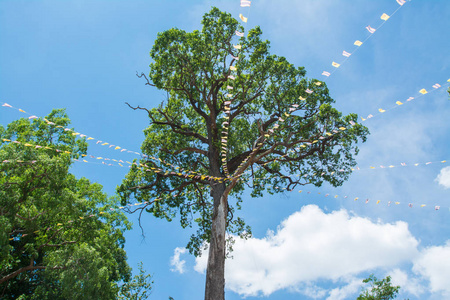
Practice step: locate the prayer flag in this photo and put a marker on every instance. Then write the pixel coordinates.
(240, 34)
(318, 83)
(410, 98)
(384, 17)
(381, 110)
(21, 110)
(234, 57)
(32, 117)
(309, 91)
(301, 98)
(423, 91)
(245, 3)
(398, 103)
(437, 85)
(357, 43)
(401, 2)
(325, 73)
(370, 29)
(346, 54)
(229, 87)
(233, 68)
(335, 64)
(231, 77)
(244, 19)
(6, 105)
(238, 47)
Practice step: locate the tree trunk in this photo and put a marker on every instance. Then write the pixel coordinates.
(215, 272)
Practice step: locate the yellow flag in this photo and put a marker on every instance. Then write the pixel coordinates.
(363, 119)
(397, 203)
(335, 64)
(21, 110)
(358, 43)
(85, 160)
(301, 98)
(59, 224)
(117, 148)
(378, 201)
(233, 68)
(244, 19)
(104, 144)
(328, 133)
(356, 198)
(384, 17)
(238, 47)
(90, 138)
(381, 110)
(398, 103)
(423, 91)
(318, 83)
(342, 128)
(372, 167)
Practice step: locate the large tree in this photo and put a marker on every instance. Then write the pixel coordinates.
(235, 116)
(59, 238)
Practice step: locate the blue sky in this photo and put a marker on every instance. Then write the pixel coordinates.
(83, 55)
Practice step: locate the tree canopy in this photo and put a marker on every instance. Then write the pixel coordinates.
(379, 289)
(235, 117)
(59, 238)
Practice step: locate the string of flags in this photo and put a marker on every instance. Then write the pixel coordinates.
(371, 30)
(230, 96)
(398, 103)
(102, 143)
(108, 161)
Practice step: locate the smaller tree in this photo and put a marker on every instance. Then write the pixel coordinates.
(379, 289)
(138, 288)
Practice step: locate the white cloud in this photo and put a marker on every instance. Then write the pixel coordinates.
(311, 245)
(346, 291)
(177, 264)
(444, 177)
(407, 283)
(434, 265)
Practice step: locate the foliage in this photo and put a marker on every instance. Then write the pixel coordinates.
(138, 288)
(269, 148)
(379, 289)
(58, 239)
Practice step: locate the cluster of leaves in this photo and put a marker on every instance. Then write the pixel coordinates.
(379, 289)
(193, 68)
(58, 239)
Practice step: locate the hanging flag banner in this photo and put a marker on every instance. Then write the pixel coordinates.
(245, 3)
(346, 54)
(370, 29)
(384, 17)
